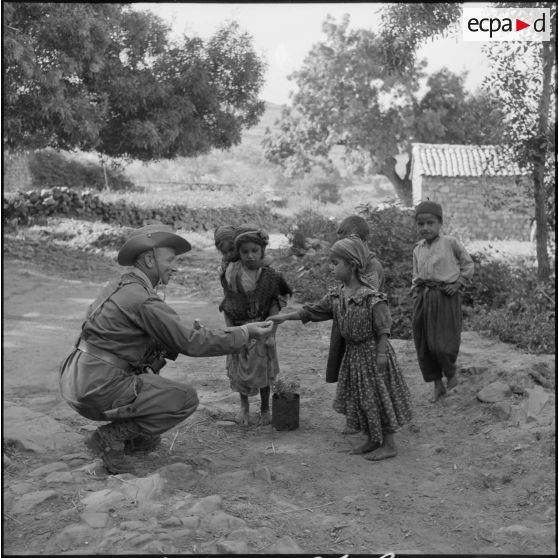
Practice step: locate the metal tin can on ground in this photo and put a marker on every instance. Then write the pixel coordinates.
(285, 412)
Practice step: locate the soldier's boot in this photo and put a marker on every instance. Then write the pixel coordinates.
(108, 443)
(143, 442)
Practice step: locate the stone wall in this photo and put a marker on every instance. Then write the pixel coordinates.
(15, 172)
(482, 208)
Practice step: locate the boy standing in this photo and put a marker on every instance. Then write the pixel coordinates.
(441, 267)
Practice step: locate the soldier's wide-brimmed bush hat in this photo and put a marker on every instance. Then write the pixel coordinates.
(155, 235)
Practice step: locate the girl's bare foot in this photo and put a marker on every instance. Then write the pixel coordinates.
(265, 418)
(439, 390)
(368, 446)
(384, 452)
(349, 430)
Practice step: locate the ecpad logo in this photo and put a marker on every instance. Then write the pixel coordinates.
(506, 24)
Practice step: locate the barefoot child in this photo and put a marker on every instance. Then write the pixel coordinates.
(375, 276)
(441, 266)
(371, 391)
(252, 290)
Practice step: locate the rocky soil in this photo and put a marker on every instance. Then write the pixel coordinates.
(474, 475)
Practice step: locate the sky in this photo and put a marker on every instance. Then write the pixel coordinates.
(283, 34)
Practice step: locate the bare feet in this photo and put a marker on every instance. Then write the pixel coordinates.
(243, 418)
(368, 446)
(452, 382)
(265, 418)
(439, 390)
(348, 430)
(383, 452)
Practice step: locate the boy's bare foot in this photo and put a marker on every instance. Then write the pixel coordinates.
(368, 446)
(383, 452)
(349, 430)
(452, 382)
(243, 418)
(265, 418)
(439, 390)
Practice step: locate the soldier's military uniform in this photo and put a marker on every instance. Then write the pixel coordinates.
(112, 372)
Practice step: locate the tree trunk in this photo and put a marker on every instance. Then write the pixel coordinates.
(105, 173)
(403, 186)
(539, 157)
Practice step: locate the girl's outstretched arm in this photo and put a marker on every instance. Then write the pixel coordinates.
(281, 317)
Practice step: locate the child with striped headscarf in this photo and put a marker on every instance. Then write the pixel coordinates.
(371, 390)
(252, 289)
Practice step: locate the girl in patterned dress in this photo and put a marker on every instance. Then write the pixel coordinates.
(371, 390)
(252, 289)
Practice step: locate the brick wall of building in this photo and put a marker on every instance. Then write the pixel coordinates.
(482, 208)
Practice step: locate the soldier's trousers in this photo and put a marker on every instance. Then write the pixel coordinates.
(149, 403)
(160, 404)
(437, 321)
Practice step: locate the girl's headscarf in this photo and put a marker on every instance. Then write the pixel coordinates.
(251, 233)
(353, 250)
(223, 234)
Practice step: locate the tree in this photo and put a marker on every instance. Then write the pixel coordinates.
(105, 77)
(347, 97)
(526, 96)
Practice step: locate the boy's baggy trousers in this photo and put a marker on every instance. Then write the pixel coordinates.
(437, 321)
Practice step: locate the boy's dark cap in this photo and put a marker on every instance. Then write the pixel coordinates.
(429, 207)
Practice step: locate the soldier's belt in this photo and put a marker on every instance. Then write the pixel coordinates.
(103, 355)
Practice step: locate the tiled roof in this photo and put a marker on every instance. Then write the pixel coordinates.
(432, 159)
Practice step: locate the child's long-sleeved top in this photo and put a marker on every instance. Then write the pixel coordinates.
(445, 260)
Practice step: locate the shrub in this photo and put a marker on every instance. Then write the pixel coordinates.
(528, 329)
(51, 168)
(325, 191)
(310, 224)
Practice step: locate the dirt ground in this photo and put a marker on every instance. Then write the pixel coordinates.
(466, 480)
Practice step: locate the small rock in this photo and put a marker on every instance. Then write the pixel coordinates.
(206, 505)
(233, 547)
(285, 545)
(49, 468)
(142, 490)
(103, 500)
(74, 457)
(6, 460)
(224, 521)
(502, 410)
(97, 520)
(533, 406)
(32, 499)
(59, 477)
(190, 521)
(515, 530)
(493, 392)
(177, 475)
(140, 539)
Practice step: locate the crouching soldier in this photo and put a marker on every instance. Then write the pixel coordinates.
(112, 372)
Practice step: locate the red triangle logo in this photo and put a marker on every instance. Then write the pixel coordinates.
(519, 25)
